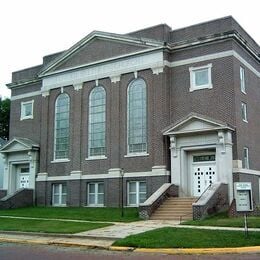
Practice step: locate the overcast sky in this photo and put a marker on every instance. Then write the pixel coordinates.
(31, 29)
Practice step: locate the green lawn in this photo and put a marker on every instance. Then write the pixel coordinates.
(81, 213)
(169, 237)
(222, 220)
(47, 226)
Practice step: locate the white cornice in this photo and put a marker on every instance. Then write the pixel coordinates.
(100, 62)
(26, 95)
(213, 56)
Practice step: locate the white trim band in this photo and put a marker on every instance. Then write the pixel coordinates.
(26, 95)
(98, 71)
(110, 175)
(246, 171)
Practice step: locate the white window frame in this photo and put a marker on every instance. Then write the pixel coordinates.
(137, 193)
(23, 104)
(55, 159)
(193, 71)
(144, 152)
(96, 204)
(246, 157)
(90, 123)
(244, 112)
(60, 194)
(242, 80)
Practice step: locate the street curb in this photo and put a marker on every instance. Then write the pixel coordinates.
(57, 235)
(121, 248)
(170, 251)
(187, 251)
(52, 242)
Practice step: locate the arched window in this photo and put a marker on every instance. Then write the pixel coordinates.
(61, 135)
(97, 122)
(136, 117)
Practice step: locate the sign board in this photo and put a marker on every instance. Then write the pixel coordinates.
(243, 196)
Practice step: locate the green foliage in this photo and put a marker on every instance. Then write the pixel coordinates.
(47, 226)
(169, 237)
(4, 117)
(81, 213)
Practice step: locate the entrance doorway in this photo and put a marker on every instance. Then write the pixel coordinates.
(23, 172)
(203, 173)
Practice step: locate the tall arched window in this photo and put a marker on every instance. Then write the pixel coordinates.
(61, 142)
(97, 122)
(136, 117)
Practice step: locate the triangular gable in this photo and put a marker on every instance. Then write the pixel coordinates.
(98, 46)
(195, 123)
(19, 144)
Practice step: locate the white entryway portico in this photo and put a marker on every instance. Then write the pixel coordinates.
(21, 164)
(201, 154)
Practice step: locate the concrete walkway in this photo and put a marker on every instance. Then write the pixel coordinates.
(122, 230)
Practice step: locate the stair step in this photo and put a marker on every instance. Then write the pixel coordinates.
(175, 208)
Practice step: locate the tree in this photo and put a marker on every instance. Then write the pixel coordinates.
(4, 117)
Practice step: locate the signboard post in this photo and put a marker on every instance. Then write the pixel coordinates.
(244, 201)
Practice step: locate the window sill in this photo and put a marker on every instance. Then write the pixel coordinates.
(194, 88)
(60, 160)
(95, 206)
(136, 155)
(245, 121)
(92, 158)
(243, 92)
(59, 205)
(26, 117)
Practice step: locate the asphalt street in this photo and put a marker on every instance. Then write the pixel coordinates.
(12, 251)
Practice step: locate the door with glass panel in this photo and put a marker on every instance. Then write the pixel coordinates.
(23, 172)
(96, 194)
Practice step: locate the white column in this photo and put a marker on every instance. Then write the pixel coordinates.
(175, 161)
(6, 175)
(224, 159)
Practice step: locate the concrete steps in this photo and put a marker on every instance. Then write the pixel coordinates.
(174, 208)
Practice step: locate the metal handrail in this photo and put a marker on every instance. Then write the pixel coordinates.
(203, 192)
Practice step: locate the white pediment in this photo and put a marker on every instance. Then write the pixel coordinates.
(19, 144)
(195, 123)
(98, 47)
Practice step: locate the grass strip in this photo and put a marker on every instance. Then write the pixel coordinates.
(47, 226)
(222, 220)
(169, 237)
(80, 213)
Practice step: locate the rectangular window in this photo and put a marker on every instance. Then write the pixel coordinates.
(59, 194)
(244, 111)
(136, 192)
(27, 110)
(245, 158)
(200, 77)
(242, 80)
(96, 194)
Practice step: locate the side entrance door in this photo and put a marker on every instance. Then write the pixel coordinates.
(23, 176)
(203, 173)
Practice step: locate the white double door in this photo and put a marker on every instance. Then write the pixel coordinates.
(203, 175)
